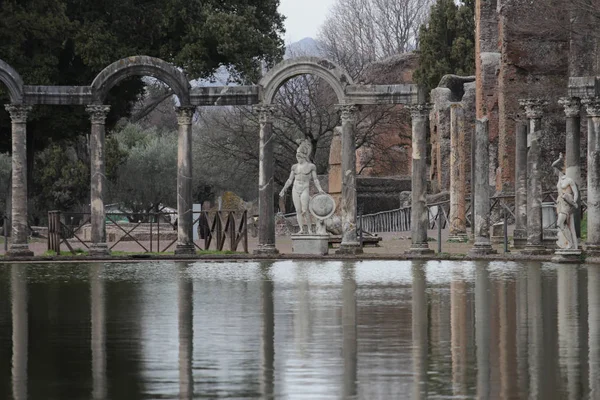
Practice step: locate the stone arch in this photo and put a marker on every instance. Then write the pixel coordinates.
(13, 82)
(141, 66)
(333, 74)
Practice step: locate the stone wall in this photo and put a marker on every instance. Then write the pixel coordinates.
(380, 194)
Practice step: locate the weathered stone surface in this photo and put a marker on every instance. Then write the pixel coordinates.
(380, 194)
(224, 95)
(534, 112)
(335, 165)
(439, 122)
(58, 95)
(310, 244)
(98, 115)
(185, 216)
(350, 243)
(13, 82)
(520, 232)
(419, 212)
(592, 107)
(266, 207)
(18, 115)
(481, 217)
(458, 223)
(572, 107)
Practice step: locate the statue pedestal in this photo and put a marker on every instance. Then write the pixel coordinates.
(310, 244)
(567, 256)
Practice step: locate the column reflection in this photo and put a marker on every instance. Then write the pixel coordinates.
(419, 330)
(459, 340)
(20, 331)
(522, 334)
(482, 331)
(568, 330)
(593, 290)
(268, 337)
(535, 330)
(98, 325)
(185, 303)
(506, 344)
(349, 348)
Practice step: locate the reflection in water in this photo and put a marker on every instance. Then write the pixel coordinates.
(98, 316)
(168, 330)
(20, 332)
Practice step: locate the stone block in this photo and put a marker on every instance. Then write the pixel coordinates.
(584, 86)
(310, 244)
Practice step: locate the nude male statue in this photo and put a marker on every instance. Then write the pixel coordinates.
(566, 206)
(300, 177)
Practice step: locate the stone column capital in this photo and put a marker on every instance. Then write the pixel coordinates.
(347, 112)
(18, 112)
(592, 106)
(534, 108)
(266, 113)
(572, 106)
(420, 110)
(98, 113)
(185, 114)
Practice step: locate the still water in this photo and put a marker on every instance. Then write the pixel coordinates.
(300, 330)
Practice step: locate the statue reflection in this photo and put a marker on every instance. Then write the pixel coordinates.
(20, 331)
(268, 337)
(419, 330)
(349, 348)
(482, 332)
(98, 324)
(568, 330)
(593, 292)
(185, 302)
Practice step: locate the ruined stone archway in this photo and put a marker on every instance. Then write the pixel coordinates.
(333, 74)
(141, 66)
(13, 82)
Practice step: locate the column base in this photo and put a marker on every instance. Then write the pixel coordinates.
(535, 250)
(482, 249)
(519, 239)
(185, 249)
(458, 237)
(350, 248)
(592, 250)
(567, 256)
(419, 249)
(19, 250)
(266, 250)
(99, 249)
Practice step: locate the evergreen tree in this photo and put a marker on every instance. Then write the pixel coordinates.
(447, 42)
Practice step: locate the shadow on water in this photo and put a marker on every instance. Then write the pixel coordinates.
(349, 330)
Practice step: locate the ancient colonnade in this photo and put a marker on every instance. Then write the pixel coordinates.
(350, 98)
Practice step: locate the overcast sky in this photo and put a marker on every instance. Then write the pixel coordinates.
(303, 17)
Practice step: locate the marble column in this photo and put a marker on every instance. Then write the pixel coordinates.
(535, 230)
(420, 325)
(481, 188)
(350, 243)
(18, 246)
(593, 283)
(98, 317)
(266, 206)
(20, 332)
(185, 216)
(572, 150)
(458, 179)
(520, 233)
(98, 115)
(419, 215)
(592, 106)
(185, 306)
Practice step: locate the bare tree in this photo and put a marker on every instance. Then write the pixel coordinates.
(359, 32)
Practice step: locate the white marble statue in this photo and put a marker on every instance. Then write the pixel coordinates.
(567, 204)
(300, 176)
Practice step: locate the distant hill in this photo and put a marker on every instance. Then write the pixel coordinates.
(305, 47)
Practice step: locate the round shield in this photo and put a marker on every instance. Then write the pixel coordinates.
(322, 206)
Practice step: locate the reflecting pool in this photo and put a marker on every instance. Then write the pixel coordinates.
(300, 330)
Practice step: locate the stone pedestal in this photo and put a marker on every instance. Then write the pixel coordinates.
(310, 244)
(567, 256)
(573, 145)
(18, 246)
(520, 232)
(98, 115)
(481, 189)
(266, 206)
(350, 243)
(533, 111)
(458, 178)
(592, 106)
(419, 214)
(185, 236)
